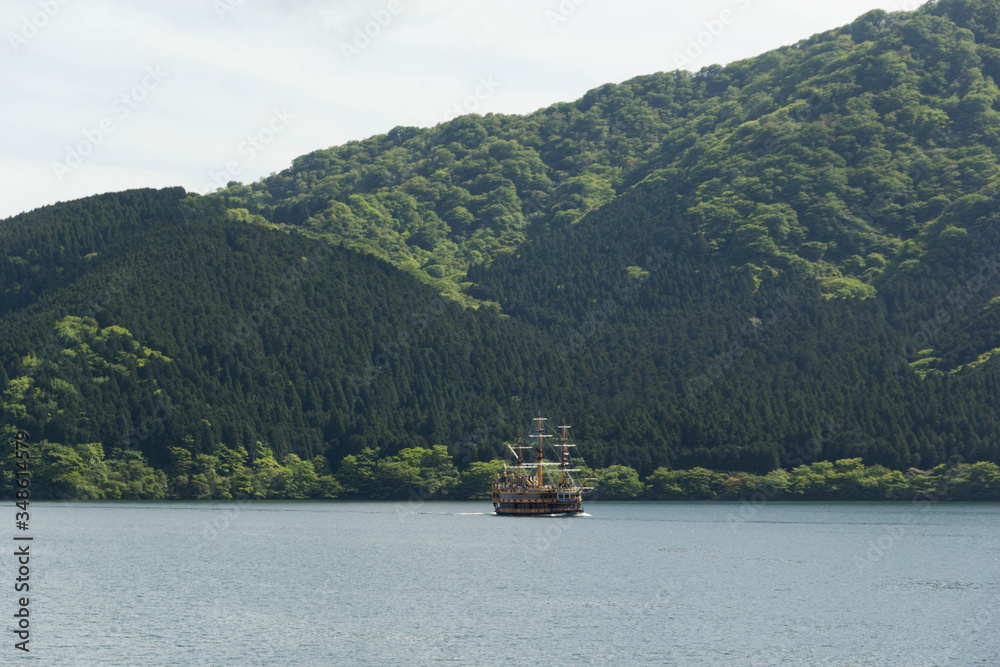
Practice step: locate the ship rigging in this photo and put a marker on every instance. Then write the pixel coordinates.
(539, 487)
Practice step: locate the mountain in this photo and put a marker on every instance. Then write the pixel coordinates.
(839, 156)
(788, 260)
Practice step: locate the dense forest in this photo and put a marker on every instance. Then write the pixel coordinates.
(781, 270)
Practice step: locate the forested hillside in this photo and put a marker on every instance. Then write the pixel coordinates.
(843, 155)
(184, 330)
(787, 261)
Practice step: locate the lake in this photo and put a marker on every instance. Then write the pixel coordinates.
(280, 583)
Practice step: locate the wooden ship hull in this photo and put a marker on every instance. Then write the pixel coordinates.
(547, 501)
(522, 489)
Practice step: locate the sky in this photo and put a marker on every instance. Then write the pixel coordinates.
(106, 95)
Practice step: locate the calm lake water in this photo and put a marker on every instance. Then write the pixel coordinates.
(409, 583)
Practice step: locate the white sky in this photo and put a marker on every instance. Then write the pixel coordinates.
(226, 70)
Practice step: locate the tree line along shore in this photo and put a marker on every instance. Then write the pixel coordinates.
(82, 472)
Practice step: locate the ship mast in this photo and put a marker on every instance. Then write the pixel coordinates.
(541, 453)
(564, 463)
